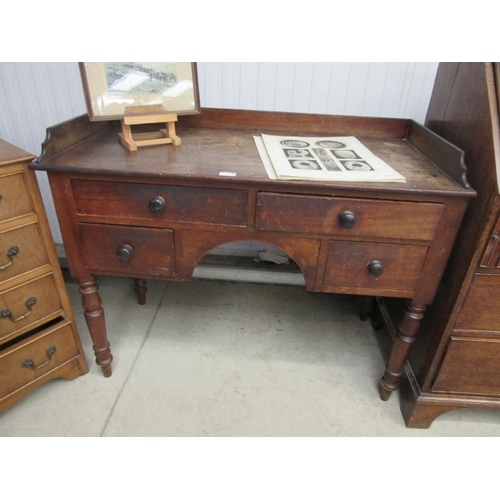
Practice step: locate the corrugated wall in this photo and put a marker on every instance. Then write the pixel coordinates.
(34, 96)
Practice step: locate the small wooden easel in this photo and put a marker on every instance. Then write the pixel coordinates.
(138, 115)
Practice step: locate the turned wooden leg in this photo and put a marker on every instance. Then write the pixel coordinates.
(94, 316)
(367, 303)
(401, 348)
(141, 289)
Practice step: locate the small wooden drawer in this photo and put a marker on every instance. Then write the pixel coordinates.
(347, 216)
(21, 250)
(470, 366)
(35, 356)
(14, 197)
(373, 268)
(480, 310)
(27, 305)
(128, 250)
(162, 203)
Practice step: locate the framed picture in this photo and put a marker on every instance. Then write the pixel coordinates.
(111, 87)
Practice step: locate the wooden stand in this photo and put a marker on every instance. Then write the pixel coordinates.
(139, 115)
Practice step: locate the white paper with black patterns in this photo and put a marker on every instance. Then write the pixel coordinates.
(325, 158)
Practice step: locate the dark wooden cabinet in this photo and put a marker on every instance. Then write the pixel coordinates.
(154, 213)
(456, 358)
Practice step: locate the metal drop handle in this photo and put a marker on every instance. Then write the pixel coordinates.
(11, 252)
(7, 314)
(28, 363)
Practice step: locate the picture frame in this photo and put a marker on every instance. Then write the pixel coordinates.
(112, 87)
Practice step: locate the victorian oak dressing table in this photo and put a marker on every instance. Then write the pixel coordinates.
(154, 213)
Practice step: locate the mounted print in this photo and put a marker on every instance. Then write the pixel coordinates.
(112, 87)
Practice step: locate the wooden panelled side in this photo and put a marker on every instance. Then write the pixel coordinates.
(454, 118)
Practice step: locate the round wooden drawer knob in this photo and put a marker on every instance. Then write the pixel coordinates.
(347, 220)
(157, 204)
(375, 268)
(124, 253)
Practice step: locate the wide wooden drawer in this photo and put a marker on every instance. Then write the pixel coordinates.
(373, 268)
(361, 218)
(14, 198)
(470, 366)
(35, 356)
(128, 250)
(163, 203)
(481, 310)
(28, 305)
(21, 250)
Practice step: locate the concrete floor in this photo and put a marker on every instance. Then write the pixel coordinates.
(214, 358)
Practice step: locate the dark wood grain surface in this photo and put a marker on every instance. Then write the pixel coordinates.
(206, 152)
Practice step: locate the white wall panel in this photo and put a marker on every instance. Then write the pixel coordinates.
(374, 90)
(248, 87)
(339, 83)
(320, 89)
(35, 96)
(284, 87)
(266, 86)
(230, 83)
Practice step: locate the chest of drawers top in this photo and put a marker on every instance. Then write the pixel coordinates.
(10, 154)
(220, 142)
